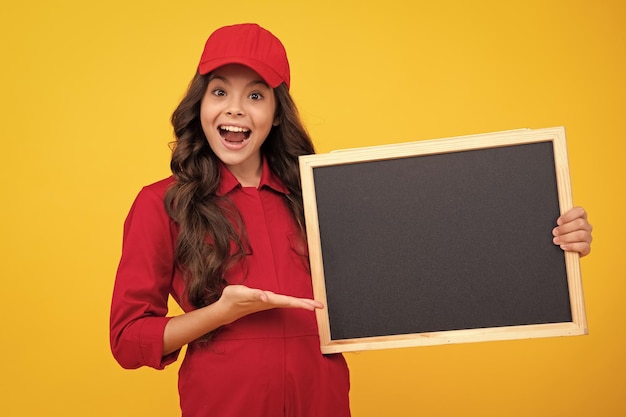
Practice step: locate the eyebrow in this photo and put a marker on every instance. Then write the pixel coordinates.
(250, 84)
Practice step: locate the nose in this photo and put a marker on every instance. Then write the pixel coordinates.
(234, 108)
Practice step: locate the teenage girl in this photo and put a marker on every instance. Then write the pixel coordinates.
(224, 236)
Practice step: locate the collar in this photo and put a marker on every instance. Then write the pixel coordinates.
(228, 182)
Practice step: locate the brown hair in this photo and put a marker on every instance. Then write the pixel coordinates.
(207, 222)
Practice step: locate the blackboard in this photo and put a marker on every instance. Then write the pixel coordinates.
(442, 241)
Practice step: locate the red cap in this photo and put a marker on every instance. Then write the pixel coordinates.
(250, 45)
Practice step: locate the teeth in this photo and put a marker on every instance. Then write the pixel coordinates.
(234, 129)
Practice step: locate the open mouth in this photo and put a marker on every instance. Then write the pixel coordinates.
(234, 134)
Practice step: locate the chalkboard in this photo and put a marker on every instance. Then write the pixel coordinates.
(442, 241)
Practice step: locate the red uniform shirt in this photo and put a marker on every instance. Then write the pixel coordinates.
(266, 364)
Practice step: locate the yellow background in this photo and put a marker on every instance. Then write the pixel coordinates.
(87, 89)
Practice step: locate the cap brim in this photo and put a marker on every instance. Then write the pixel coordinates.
(269, 76)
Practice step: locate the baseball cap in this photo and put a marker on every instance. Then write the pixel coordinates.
(247, 44)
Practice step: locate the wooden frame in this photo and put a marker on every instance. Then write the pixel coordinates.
(312, 165)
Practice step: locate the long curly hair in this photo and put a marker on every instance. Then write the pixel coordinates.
(208, 223)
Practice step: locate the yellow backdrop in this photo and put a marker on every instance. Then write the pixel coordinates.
(87, 89)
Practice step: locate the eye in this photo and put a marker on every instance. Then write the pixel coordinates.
(256, 96)
(218, 92)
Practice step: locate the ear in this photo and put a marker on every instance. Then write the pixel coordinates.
(276, 121)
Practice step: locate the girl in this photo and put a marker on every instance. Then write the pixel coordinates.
(224, 236)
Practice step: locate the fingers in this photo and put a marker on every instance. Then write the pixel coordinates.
(257, 300)
(583, 248)
(575, 229)
(572, 214)
(285, 301)
(573, 225)
(576, 241)
(573, 232)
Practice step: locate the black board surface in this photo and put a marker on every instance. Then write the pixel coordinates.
(428, 243)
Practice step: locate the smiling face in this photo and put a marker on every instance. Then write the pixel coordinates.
(237, 113)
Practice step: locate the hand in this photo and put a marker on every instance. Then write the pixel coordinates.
(241, 301)
(236, 302)
(573, 232)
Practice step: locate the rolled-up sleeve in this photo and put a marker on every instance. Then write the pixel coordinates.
(143, 284)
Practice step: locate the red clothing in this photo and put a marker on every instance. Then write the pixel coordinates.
(265, 364)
